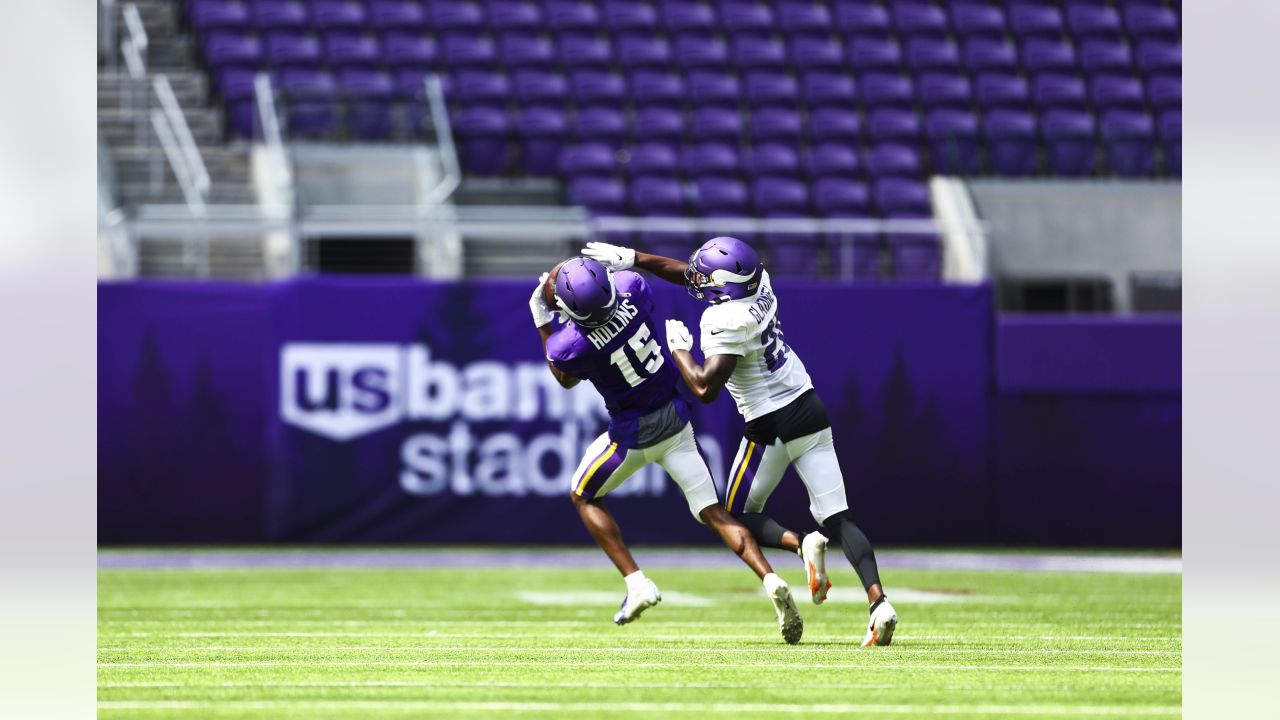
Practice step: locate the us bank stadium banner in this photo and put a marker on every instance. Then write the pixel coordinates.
(380, 410)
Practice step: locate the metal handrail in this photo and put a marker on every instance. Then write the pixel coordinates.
(137, 31)
(107, 31)
(445, 146)
(178, 161)
(198, 173)
(265, 99)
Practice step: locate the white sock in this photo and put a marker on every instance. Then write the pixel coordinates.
(772, 582)
(636, 581)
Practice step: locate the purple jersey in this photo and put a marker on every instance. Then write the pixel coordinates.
(623, 359)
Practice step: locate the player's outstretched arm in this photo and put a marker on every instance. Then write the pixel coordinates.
(706, 381)
(542, 320)
(616, 257)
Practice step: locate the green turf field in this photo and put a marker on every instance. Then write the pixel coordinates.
(401, 643)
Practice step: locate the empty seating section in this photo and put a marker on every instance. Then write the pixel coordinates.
(780, 108)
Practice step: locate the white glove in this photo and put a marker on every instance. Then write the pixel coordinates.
(612, 257)
(538, 306)
(678, 337)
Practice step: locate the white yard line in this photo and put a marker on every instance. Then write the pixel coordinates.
(975, 638)
(558, 648)
(596, 664)
(979, 687)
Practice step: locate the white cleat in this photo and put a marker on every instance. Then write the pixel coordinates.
(637, 602)
(881, 626)
(813, 550)
(789, 620)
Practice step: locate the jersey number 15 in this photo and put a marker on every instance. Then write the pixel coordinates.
(644, 360)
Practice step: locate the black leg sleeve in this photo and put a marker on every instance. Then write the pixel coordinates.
(856, 547)
(764, 529)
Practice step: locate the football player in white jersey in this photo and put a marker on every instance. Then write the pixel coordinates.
(786, 422)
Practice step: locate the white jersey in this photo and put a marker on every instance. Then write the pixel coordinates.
(769, 374)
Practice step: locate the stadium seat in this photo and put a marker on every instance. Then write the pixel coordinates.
(1164, 91)
(754, 53)
(1159, 56)
(900, 197)
(928, 53)
(775, 123)
(585, 51)
(711, 160)
(446, 15)
(772, 160)
(515, 16)
(716, 124)
(1029, 19)
(310, 120)
(1116, 91)
(982, 54)
(944, 90)
(236, 83)
(1011, 142)
(366, 84)
(999, 90)
(953, 141)
(833, 160)
(622, 16)
(971, 18)
(307, 84)
(802, 16)
(720, 197)
(1069, 142)
(467, 50)
(347, 48)
(1151, 21)
(1129, 137)
(587, 159)
(790, 254)
(596, 87)
(542, 131)
(746, 17)
(834, 125)
(603, 125)
(284, 49)
(268, 15)
(519, 50)
(891, 124)
(857, 17)
(1171, 140)
(771, 88)
(406, 15)
(658, 123)
(481, 87)
(653, 158)
(840, 197)
(880, 89)
(696, 51)
(657, 88)
(1093, 21)
(712, 88)
(827, 88)
(919, 18)
(868, 53)
(400, 49)
(687, 16)
(227, 49)
(915, 257)
(1053, 91)
(816, 53)
(208, 15)
(643, 51)
(600, 196)
(1105, 56)
(483, 132)
(1045, 55)
(571, 15)
(657, 196)
(893, 160)
(338, 15)
(540, 87)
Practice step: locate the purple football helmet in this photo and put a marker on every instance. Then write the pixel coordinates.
(584, 291)
(723, 269)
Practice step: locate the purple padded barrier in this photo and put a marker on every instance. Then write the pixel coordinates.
(596, 87)
(292, 49)
(883, 89)
(774, 123)
(402, 49)
(983, 54)
(1011, 142)
(871, 53)
(600, 196)
(1098, 55)
(977, 18)
(755, 53)
(1088, 355)
(716, 124)
(893, 160)
(713, 88)
(449, 15)
(773, 160)
(222, 49)
(1149, 21)
(653, 158)
(601, 124)
(465, 49)
(1171, 140)
(834, 124)
(953, 141)
(803, 17)
(919, 18)
(915, 257)
(397, 15)
(1048, 55)
(658, 123)
(629, 16)
(279, 15)
(743, 16)
(472, 87)
(1002, 91)
(483, 133)
(862, 18)
(1069, 142)
(338, 15)
(711, 160)
(1054, 91)
(590, 159)
(696, 51)
(1116, 91)
(585, 51)
(838, 160)
(827, 88)
(772, 88)
(686, 16)
(717, 196)
(1130, 141)
(209, 15)
(888, 124)
(1030, 18)
(534, 87)
(1159, 56)
(927, 53)
(656, 87)
(1093, 20)
(571, 15)
(542, 131)
(901, 197)
(944, 90)
(515, 15)
(1164, 91)
(816, 53)
(521, 50)
(641, 51)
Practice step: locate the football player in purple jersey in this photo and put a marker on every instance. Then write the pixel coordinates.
(786, 422)
(611, 341)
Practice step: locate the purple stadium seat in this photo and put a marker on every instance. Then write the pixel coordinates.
(519, 50)
(1052, 91)
(1011, 142)
(999, 90)
(236, 83)
(338, 15)
(944, 90)
(539, 86)
(915, 257)
(713, 88)
(656, 87)
(209, 15)
(847, 199)
(563, 15)
(579, 51)
(1171, 140)
(397, 15)
(928, 53)
(977, 18)
(347, 48)
(901, 197)
(869, 53)
(659, 123)
(447, 15)
(515, 16)
(1165, 91)
(754, 53)
(404, 49)
(710, 160)
(892, 124)
(1093, 21)
(542, 131)
(243, 120)
(1159, 56)
(772, 88)
(1028, 19)
(834, 125)
(292, 49)
(790, 254)
(685, 16)
(893, 160)
(881, 89)
(370, 121)
(983, 54)
(629, 16)
(1045, 55)
(838, 197)
(279, 15)
(596, 87)
(310, 119)
(481, 87)
(1116, 91)
(639, 51)
(775, 123)
(716, 124)
(857, 17)
(459, 50)
(222, 49)
(833, 160)
(1069, 142)
(919, 18)
(1151, 21)
(483, 132)
(696, 51)
(307, 84)
(1098, 55)
(657, 196)
(745, 16)
(773, 160)
(1129, 137)
(802, 16)
(411, 83)
(720, 197)
(366, 85)
(600, 196)
(654, 158)
(589, 159)
(601, 124)
(816, 53)
(827, 88)
(953, 141)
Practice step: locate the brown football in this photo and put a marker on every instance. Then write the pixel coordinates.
(549, 288)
